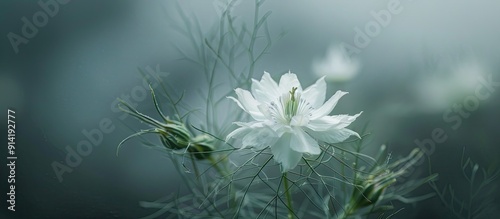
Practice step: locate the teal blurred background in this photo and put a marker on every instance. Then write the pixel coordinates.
(64, 81)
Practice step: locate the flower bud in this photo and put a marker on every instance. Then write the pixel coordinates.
(173, 134)
(370, 190)
(201, 146)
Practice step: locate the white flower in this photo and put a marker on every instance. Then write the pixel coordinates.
(288, 119)
(337, 65)
(449, 83)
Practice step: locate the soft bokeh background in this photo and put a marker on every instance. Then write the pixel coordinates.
(66, 78)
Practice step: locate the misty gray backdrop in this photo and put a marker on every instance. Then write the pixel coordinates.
(65, 79)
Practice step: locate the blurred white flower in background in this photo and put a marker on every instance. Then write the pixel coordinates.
(450, 83)
(288, 119)
(337, 65)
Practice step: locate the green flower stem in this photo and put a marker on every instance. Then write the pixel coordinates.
(195, 167)
(346, 213)
(288, 196)
(217, 168)
(224, 173)
(342, 171)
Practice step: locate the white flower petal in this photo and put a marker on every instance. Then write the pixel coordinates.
(264, 109)
(281, 129)
(327, 122)
(265, 90)
(326, 108)
(334, 135)
(284, 155)
(315, 94)
(299, 120)
(302, 142)
(237, 133)
(287, 82)
(254, 134)
(259, 138)
(248, 103)
(244, 128)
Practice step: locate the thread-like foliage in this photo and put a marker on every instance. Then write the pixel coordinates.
(341, 182)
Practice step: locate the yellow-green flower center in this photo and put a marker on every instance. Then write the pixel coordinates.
(291, 105)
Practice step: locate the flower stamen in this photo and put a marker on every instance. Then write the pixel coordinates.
(291, 105)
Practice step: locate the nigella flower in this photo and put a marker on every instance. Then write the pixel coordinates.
(337, 65)
(288, 119)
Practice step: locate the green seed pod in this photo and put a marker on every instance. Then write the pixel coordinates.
(173, 134)
(370, 191)
(174, 137)
(202, 146)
